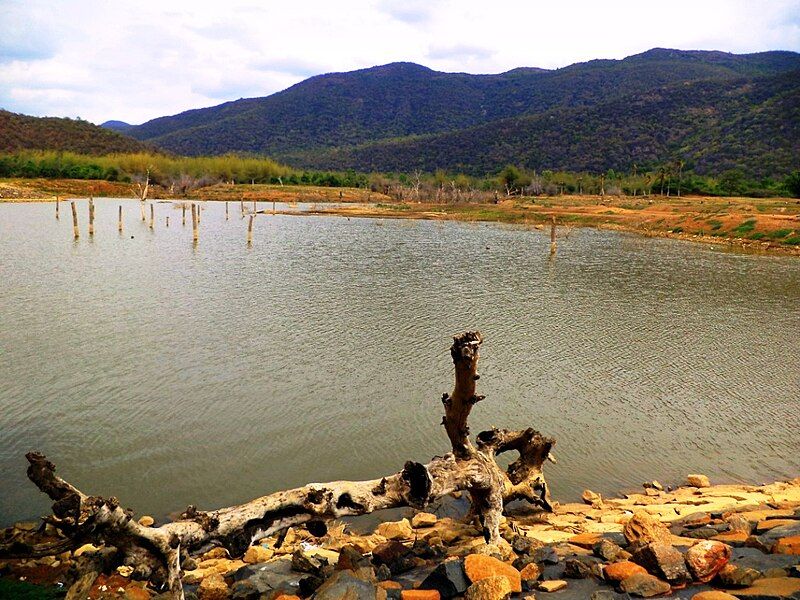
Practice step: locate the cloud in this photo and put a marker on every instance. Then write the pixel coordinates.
(135, 60)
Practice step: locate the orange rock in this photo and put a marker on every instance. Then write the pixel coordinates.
(619, 571)
(769, 587)
(213, 587)
(480, 566)
(585, 540)
(419, 595)
(531, 571)
(287, 597)
(707, 558)
(390, 585)
(734, 537)
(787, 545)
(713, 595)
(136, 592)
(643, 528)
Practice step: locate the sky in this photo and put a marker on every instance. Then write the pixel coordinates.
(135, 60)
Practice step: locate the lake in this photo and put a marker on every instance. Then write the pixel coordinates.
(167, 374)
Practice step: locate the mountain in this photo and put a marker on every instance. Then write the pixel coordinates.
(118, 126)
(746, 123)
(21, 132)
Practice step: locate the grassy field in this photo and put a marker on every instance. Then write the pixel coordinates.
(768, 224)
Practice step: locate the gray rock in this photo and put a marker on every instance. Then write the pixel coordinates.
(394, 555)
(608, 595)
(769, 538)
(270, 576)
(448, 578)
(546, 555)
(755, 559)
(577, 569)
(607, 550)
(734, 576)
(664, 561)
(344, 585)
(645, 586)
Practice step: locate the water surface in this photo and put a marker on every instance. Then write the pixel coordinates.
(167, 374)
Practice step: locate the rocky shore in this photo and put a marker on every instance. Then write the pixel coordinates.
(698, 541)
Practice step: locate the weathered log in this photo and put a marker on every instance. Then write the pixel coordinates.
(155, 552)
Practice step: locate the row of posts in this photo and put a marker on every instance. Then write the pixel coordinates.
(195, 218)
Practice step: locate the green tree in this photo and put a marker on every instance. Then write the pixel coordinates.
(792, 183)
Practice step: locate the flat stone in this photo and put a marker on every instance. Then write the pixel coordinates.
(713, 595)
(733, 538)
(773, 588)
(257, 554)
(768, 524)
(644, 585)
(274, 575)
(771, 537)
(707, 558)
(495, 587)
(553, 585)
(697, 519)
(755, 559)
(345, 586)
(607, 550)
(734, 576)
(585, 540)
(420, 594)
(479, 566)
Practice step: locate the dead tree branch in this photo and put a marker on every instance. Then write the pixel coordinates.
(155, 552)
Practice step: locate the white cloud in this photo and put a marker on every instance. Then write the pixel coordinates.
(136, 60)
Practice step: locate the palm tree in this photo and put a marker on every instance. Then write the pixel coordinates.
(680, 164)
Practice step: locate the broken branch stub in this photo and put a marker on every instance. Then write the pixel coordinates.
(155, 552)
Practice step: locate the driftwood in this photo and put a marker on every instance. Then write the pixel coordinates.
(156, 552)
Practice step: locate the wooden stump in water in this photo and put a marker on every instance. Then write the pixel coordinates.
(75, 231)
(119, 219)
(183, 213)
(142, 207)
(273, 207)
(241, 206)
(91, 216)
(226, 211)
(167, 224)
(57, 207)
(195, 233)
(152, 216)
(553, 236)
(250, 231)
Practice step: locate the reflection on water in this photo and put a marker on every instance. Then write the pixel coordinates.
(167, 375)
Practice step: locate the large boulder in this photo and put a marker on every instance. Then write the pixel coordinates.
(663, 560)
(706, 559)
(643, 528)
(480, 566)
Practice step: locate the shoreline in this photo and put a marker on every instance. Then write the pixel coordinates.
(743, 540)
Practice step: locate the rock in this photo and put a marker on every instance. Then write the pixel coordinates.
(739, 523)
(546, 555)
(608, 595)
(771, 537)
(607, 550)
(213, 587)
(396, 530)
(706, 559)
(585, 540)
(350, 558)
(395, 556)
(695, 520)
(713, 595)
(345, 586)
(643, 529)
(147, 521)
(593, 498)
(772, 588)
(553, 585)
(756, 559)
(787, 545)
(663, 560)
(423, 519)
(479, 566)
(698, 481)
(267, 578)
(733, 576)
(390, 585)
(215, 553)
(304, 562)
(257, 554)
(766, 525)
(525, 545)
(620, 571)
(489, 588)
(577, 569)
(419, 594)
(531, 573)
(736, 539)
(644, 585)
(653, 485)
(448, 578)
(135, 591)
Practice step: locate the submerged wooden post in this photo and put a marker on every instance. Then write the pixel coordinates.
(91, 216)
(57, 203)
(195, 233)
(119, 219)
(167, 221)
(255, 206)
(250, 231)
(273, 207)
(75, 231)
(183, 213)
(142, 207)
(553, 235)
(226, 210)
(241, 206)
(152, 216)
(199, 210)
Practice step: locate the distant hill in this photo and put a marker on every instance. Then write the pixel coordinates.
(714, 126)
(118, 126)
(21, 132)
(327, 120)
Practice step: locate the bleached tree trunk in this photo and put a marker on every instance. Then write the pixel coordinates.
(155, 552)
